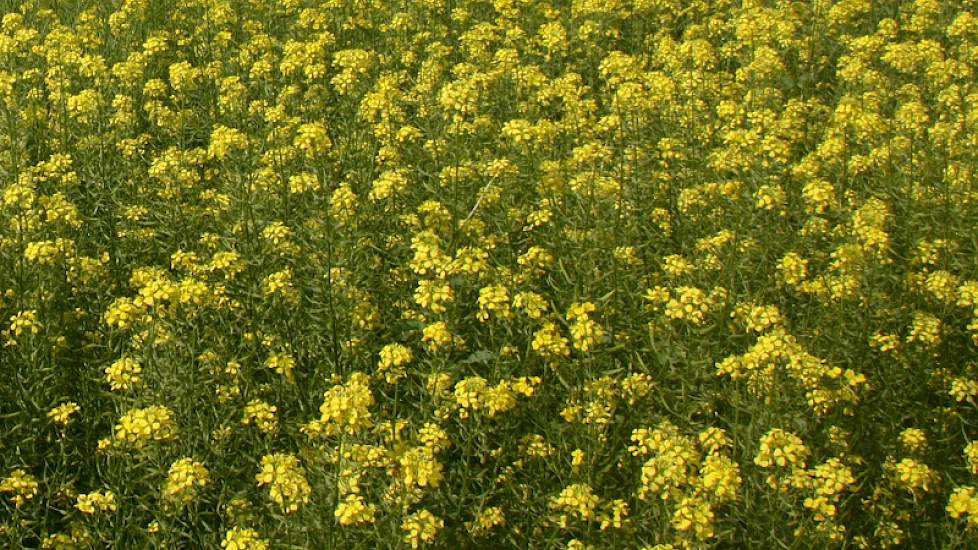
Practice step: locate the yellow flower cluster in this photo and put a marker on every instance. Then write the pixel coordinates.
(283, 364)
(23, 487)
(139, 427)
(421, 526)
(827, 480)
(602, 398)
(419, 466)
(261, 414)
(550, 344)
(436, 336)
(782, 449)
(494, 301)
(687, 303)
(474, 393)
(578, 501)
(286, 480)
(825, 387)
(49, 252)
(354, 510)
(345, 408)
(95, 502)
(224, 141)
(312, 139)
(184, 479)
(238, 538)
(61, 415)
(964, 502)
(695, 474)
(585, 332)
(756, 318)
(280, 284)
(23, 322)
(393, 359)
(912, 475)
(486, 520)
(123, 374)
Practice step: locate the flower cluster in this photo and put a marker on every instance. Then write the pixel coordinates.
(139, 427)
(285, 477)
(184, 479)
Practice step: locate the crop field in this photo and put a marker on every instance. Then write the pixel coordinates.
(449, 274)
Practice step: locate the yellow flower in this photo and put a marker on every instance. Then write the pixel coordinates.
(470, 393)
(280, 284)
(393, 358)
(419, 466)
(549, 343)
(84, 106)
(694, 514)
(912, 475)
(313, 140)
(388, 184)
(61, 415)
(183, 480)
(96, 502)
(434, 295)
(577, 499)
(577, 459)
(531, 304)
(354, 510)
(345, 408)
(238, 538)
(224, 140)
(262, 414)
(286, 480)
(486, 520)
(914, 439)
(585, 333)
(343, 204)
(23, 486)
(925, 329)
(282, 363)
(123, 374)
(494, 301)
(421, 526)
(719, 476)
(23, 322)
(278, 236)
(964, 502)
(138, 427)
(436, 336)
(781, 448)
(971, 454)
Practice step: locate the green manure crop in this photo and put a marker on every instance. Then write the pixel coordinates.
(619, 274)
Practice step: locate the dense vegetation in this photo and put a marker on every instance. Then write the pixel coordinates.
(650, 274)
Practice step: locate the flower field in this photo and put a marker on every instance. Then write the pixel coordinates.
(582, 274)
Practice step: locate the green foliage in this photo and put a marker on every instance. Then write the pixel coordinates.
(512, 274)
